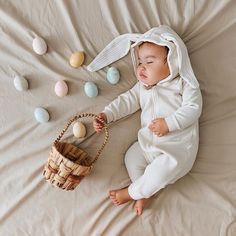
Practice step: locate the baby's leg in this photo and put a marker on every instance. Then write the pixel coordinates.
(163, 170)
(135, 163)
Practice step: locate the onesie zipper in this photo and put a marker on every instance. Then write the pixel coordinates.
(156, 108)
(154, 115)
(155, 100)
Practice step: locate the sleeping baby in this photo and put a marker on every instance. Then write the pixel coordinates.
(170, 100)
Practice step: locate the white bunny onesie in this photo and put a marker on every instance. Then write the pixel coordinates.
(154, 162)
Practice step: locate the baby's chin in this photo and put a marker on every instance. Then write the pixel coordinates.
(147, 85)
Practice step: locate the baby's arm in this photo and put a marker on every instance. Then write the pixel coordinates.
(125, 104)
(190, 110)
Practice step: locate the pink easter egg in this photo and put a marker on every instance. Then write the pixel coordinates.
(61, 88)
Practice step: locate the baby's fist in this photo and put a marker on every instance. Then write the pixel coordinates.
(159, 127)
(97, 124)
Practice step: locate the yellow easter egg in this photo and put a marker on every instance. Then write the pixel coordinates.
(77, 59)
(79, 129)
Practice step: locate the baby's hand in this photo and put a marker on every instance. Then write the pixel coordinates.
(159, 127)
(97, 124)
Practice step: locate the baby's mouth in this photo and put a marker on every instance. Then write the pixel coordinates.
(142, 76)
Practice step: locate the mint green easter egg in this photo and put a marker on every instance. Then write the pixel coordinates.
(113, 75)
(91, 89)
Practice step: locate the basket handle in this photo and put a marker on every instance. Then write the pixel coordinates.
(79, 117)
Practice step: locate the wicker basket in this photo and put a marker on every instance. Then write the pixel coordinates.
(67, 164)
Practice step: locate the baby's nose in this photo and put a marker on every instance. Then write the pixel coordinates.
(141, 70)
(142, 67)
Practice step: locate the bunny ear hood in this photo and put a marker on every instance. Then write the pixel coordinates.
(178, 59)
(116, 49)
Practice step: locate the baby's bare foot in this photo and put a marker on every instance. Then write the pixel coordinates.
(120, 196)
(139, 206)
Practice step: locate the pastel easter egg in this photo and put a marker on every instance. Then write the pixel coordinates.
(79, 130)
(39, 45)
(20, 83)
(77, 59)
(41, 115)
(91, 89)
(113, 75)
(61, 88)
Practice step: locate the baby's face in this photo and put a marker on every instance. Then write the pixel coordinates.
(152, 66)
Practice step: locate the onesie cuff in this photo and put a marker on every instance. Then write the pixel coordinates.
(171, 123)
(109, 115)
(134, 193)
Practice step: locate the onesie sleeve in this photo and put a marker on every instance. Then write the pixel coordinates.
(190, 110)
(125, 104)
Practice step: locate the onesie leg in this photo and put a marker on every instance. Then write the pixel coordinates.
(135, 161)
(162, 171)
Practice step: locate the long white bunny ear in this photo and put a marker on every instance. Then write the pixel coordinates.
(116, 49)
(185, 68)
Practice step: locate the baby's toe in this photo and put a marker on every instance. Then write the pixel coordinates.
(112, 193)
(115, 201)
(138, 211)
(112, 197)
(138, 208)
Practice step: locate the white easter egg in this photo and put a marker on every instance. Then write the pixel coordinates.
(61, 88)
(113, 75)
(79, 130)
(20, 83)
(91, 89)
(41, 115)
(39, 45)
(77, 59)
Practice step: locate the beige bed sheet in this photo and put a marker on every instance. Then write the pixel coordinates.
(201, 203)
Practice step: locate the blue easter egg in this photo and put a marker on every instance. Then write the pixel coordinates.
(91, 89)
(113, 75)
(41, 115)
